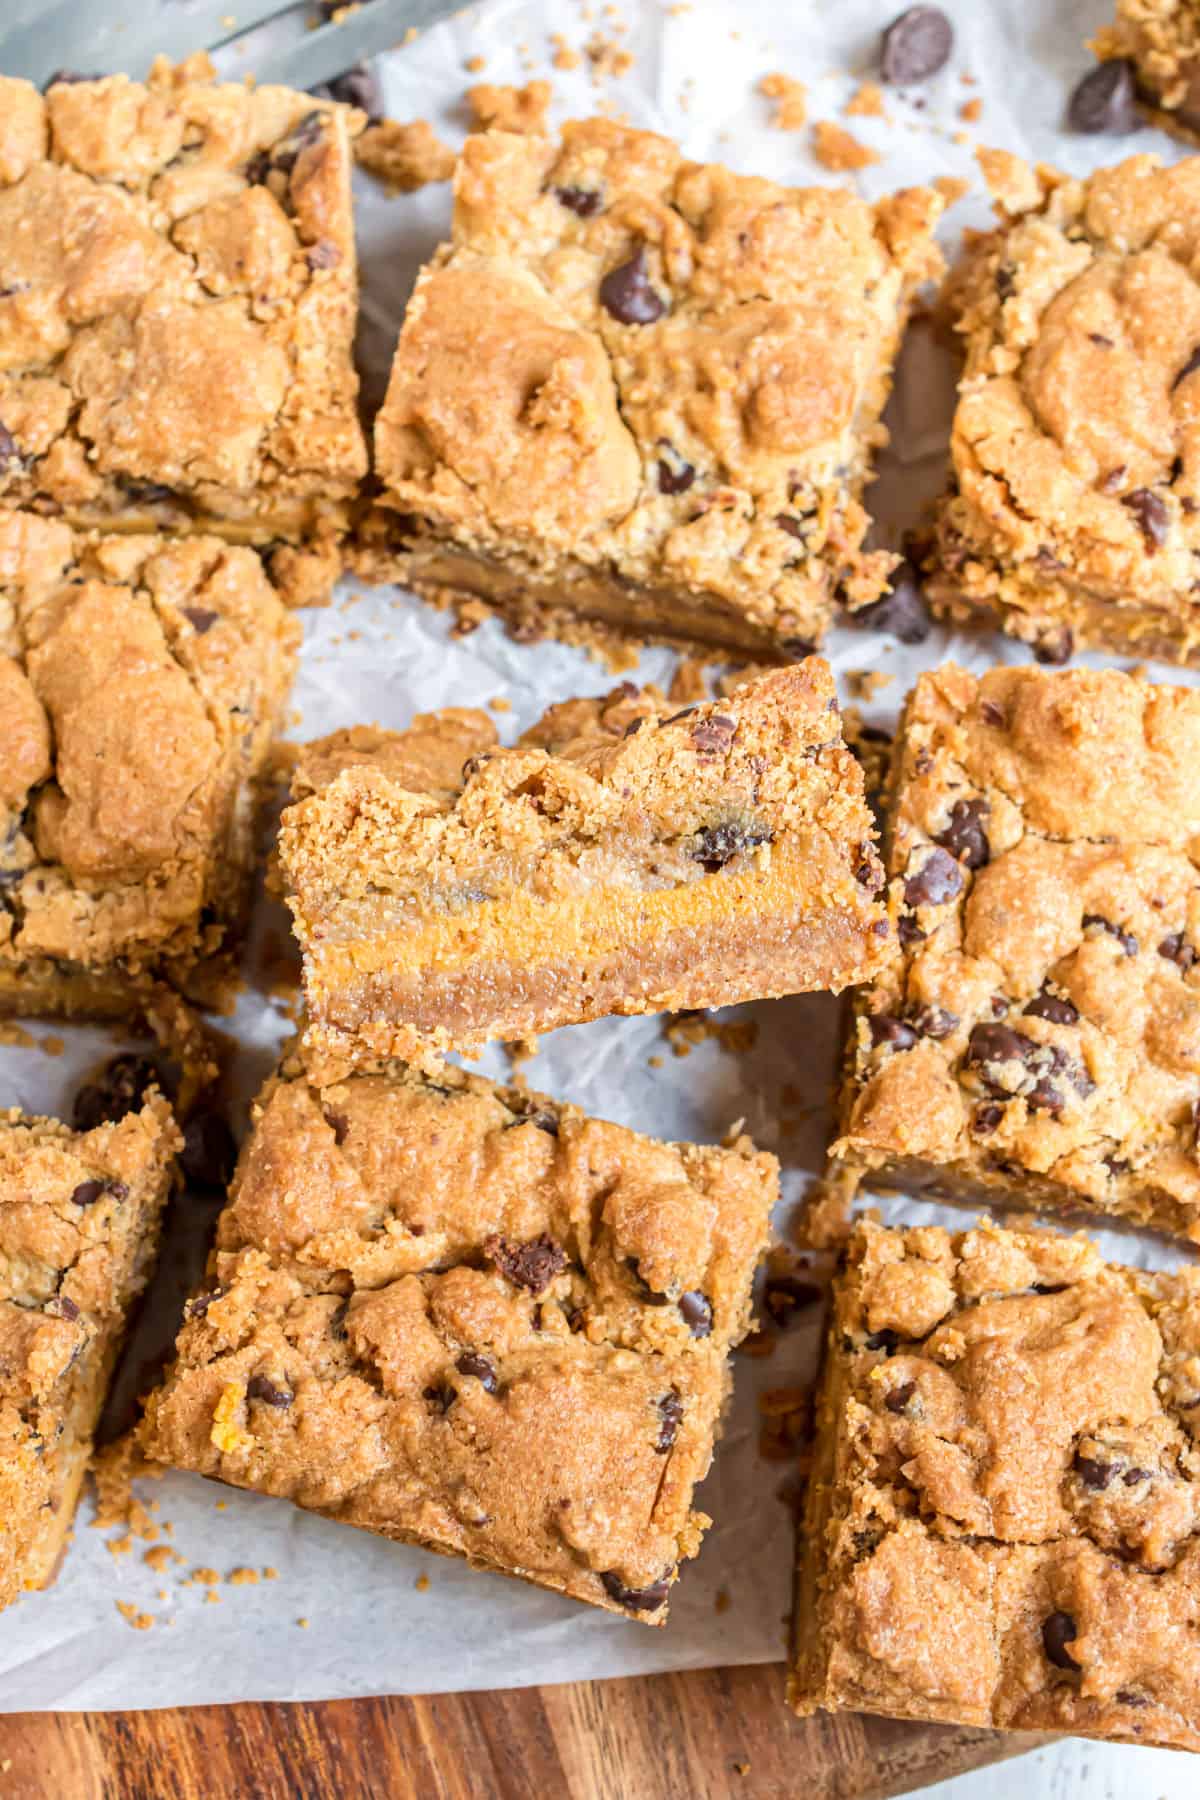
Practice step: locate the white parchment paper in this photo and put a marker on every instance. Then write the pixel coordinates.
(388, 1619)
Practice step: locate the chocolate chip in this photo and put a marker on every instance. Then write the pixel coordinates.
(993, 714)
(887, 1340)
(993, 1050)
(65, 1306)
(200, 618)
(1093, 1474)
(909, 932)
(306, 133)
(717, 845)
(937, 880)
(1054, 648)
(88, 1192)
(338, 1123)
(585, 202)
(670, 1413)
(357, 87)
(784, 1295)
(647, 1599)
(1132, 1477)
(965, 836)
(1006, 281)
(199, 1304)
(1127, 1697)
(119, 1089)
(67, 78)
(481, 1367)
(533, 1265)
(627, 294)
(1058, 1631)
(209, 1151)
(543, 1119)
(1103, 100)
(934, 1022)
(714, 735)
(696, 1311)
(1054, 1007)
(1176, 949)
(324, 254)
(1114, 481)
(442, 1398)
(986, 1118)
(794, 527)
(897, 1398)
(886, 1029)
(9, 454)
(1152, 515)
(916, 45)
(675, 473)
(901, 611)
(1092, 922)
(259, 1388)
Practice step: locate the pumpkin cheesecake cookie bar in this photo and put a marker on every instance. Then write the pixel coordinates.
(473, 1319)
(140, 682)
(622, 858)
(177, 308)
(647, 391)
(1036, 1039)
(79, 1216)
(1003, 1519)
(1074, 516)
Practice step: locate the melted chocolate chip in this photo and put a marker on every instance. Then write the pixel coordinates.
(260, 1388)
(897, 1398)
(532, 1266)
(209, 1151)
(794, 527)
(118, 1090)
(986, 1118)
(909, 932)
(901, 611)
(1093, 1473)
(627, 294)
(992, 1050)
(356, 87)
(675, 473)
(647, 1599)
(1092, 922)
(201, 618)
(670, 1413)
(887, 1340)
(993, 714)
(88, 1192)
(441, 1398)
(283, 156)
(1152, 515)
(338, 1123)
(935, 1022)
(1102, 102)
(9, 454)
(1176, 949)
(1058, 1631)
(585, 202)
(785, 1295)
(937, 880)
(798, 647)
(717, 845)
(887, 1030)
(65, 1307)
(1055, 647)
(916, 45)
(1054, 1007)
(324, 254)
(696, 1311)
(1006, 281)
(481, 1367)
(714, 735)
(965, 836)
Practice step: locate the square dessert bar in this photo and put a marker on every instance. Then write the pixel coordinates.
(140, 682)
(621, 858)
(1075, 510)
(473, 1319)
(1002, 1517)
(1159, 42)
(646, 390)
(1036, 1038)
(177, 309)
(79, 1215)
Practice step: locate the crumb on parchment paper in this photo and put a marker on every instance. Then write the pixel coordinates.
(866, 102)
(837, 150)
(519, 109)
(404, 157)
(791, 98)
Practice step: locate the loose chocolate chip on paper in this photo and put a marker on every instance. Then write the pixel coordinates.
(627, 293)
(533, 1265)
(260, 1388)
(1152, 514)
(916, 45)
(696, 1311)
(965, 836)
(670, 1413)
(119, 1089)
(902, 611)
(1102, 102)
(481, 1367)
(647, 1599)
(1058, 1631)
(585, 202)
(938, 879)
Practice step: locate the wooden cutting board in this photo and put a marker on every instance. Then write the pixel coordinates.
(716, 1734)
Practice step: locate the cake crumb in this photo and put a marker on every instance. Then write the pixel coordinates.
(120, 1546)
(836, 150)
(683, 1031)
(160, 1558)
(971, 110)
(866, 102)
(951, 188)
(822, 1219)
(474, 64)
(689, 682)
(741, 1768)
(114, 1469)
(211, 1597)
(270, 1573)
(204, 1576)
(500, 704)
(404, 157)
(791, 98)
(140, 1621)
(565, 55)
(242, 1577)
(422, 1584)
(52, 1045)
(520, 109)
(654, 1062)
(607, 56)
(303, 1624)
(864, 684)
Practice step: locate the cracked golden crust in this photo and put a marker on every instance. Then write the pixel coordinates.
(472, 1318)
(619, 858)
(78, 1228)
(140, 682)
(1076, 441)
(1037, 1036)
(177, 307)
(1004, 1526)
(714, 455)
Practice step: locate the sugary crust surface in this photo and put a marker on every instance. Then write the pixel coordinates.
(78, 1228)
(616, 833)
(1076, 442)
(1161, 38)
(177, 306)
(140, 681)
(1038, 1034)
(714, 451)
(475, 1319)
(1004, 1528)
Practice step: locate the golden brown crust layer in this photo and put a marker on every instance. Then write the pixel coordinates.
(78, 1227)
(627, 370)
(140, 682)
(177, 306)
(1004, 1528)
(619, 859)
(471, 1318)
(1036, 1035)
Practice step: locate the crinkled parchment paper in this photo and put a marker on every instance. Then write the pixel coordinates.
(375, 1624)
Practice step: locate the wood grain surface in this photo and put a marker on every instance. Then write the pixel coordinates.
(717, 1734)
